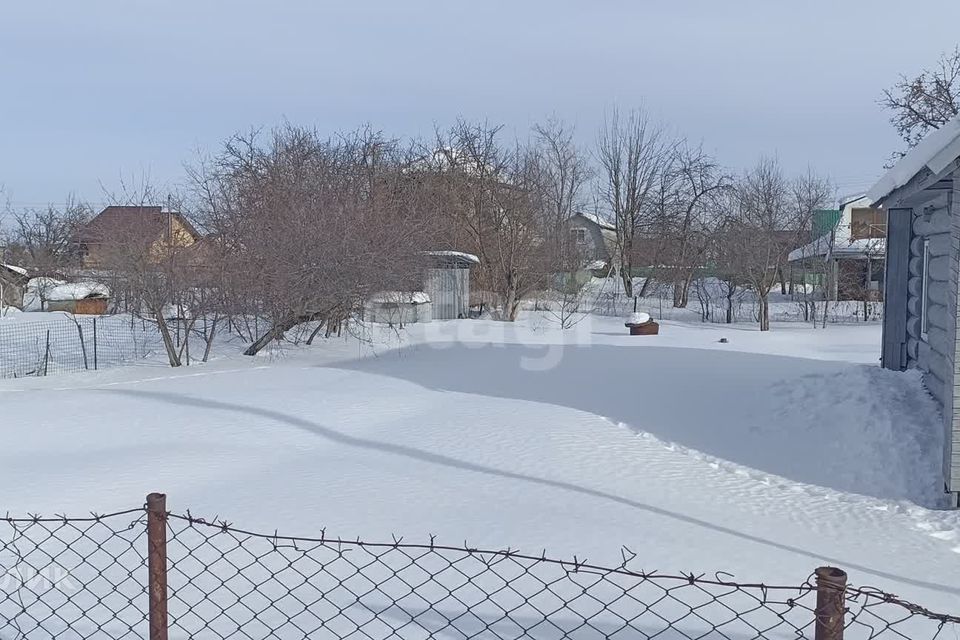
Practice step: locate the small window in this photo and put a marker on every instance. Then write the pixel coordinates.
(924, 291)
(579, 235)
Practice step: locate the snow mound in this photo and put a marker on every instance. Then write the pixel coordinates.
(638, 317)
(871, 429)
(852, 428)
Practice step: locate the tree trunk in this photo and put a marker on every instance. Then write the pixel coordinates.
(209, 338)
(168, 344)
(627, 280)
(511, 305)
(315, 332)
(730, 307)
(681, 291)
(764, 313)
(274, 333)
(643, 288)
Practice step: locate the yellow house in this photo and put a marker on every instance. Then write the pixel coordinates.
(144, 228)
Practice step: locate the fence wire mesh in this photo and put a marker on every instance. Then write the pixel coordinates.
(64, 343)
(88, 578)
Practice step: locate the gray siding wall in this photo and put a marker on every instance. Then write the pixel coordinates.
(936, 353)
(951, 449)
(449, 291)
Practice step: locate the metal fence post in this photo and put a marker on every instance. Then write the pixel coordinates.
(94, 343)
(46, 354)
(831, 603)
(157, 564)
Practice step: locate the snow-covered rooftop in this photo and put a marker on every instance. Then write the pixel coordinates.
(934, 152)
(838, 243)
(13, 268)
(840, 248)
(467, 257)
(597, 220)
(78, 291)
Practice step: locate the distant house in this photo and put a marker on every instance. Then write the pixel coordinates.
(848, 251)
(920, 197)
(13, 283)
(116, 226)
(594, 239)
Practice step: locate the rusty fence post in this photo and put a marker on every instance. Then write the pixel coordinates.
(157, 564)
(831, 603)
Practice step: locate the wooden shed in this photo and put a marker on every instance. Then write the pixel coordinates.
(921, 198)
(79, 298)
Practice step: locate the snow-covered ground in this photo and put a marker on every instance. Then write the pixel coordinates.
(763, 457)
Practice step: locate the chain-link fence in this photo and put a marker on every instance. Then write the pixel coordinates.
(150, 573)
(64, 343)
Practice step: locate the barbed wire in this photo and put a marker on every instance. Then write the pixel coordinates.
(88, 576)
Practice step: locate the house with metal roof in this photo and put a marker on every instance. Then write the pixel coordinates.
(848, 251)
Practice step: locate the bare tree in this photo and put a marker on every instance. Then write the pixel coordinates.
(565, 173)
(313, 226)
(48, 238)
(692, 186)
(726, 252)
(633, 153)
(496, 206)
(772, 217)
(927, 101)
(155, 278)
(811, 192)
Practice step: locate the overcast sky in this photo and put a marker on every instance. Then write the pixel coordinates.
(94, 91)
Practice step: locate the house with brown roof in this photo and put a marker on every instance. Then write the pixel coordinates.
(157, 230)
